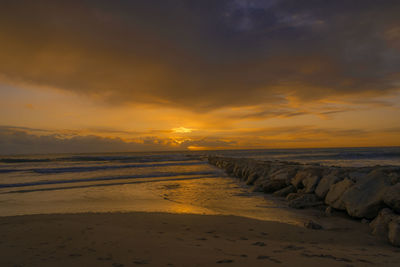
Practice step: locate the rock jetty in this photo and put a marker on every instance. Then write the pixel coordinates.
(366, 193)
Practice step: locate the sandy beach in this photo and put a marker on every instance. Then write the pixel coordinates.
(162, 239)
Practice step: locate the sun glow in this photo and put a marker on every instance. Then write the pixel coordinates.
(182, 130)
(197, 148)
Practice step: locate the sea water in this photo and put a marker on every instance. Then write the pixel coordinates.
(176, 182)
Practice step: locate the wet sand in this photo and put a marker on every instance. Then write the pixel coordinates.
(162, 239)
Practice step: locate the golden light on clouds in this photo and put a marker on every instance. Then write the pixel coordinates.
(198, 148)
(182, 130)
(154, 75)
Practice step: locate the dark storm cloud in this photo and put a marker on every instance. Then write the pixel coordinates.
(202, 54)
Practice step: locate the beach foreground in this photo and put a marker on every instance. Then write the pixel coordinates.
(162, 239)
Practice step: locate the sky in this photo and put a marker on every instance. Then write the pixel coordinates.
(150, 75)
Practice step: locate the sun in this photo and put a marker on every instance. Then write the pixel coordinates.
(182, 130)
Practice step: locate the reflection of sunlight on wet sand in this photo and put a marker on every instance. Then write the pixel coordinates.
(183, 196)
(224, 197)
(208, 196)
(181, 208)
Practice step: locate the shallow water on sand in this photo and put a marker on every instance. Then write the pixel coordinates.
(152, 182)
(177, 182)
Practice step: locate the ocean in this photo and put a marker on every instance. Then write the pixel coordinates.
(176, 182)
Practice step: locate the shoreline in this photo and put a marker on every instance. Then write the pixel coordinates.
(370, 194)
(166, 239)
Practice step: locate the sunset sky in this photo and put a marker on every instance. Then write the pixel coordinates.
(149, 75)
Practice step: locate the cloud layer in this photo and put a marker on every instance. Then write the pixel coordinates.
(203, 55)
(22, 140)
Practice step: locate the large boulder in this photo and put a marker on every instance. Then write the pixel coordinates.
(394, 232)
(266, 175)
(275, 167)
(335, 193)
(253, 170)
(365, 198)
(297, 180)
(252, 173)
(285, 191)
(238, 169)
(292, 196)
(392, 197)
(358, 174)
(252, 178)
(326, 182)
(310, 183)
(256, 188)
(387, 226)
(312, 225)
(246, 170)
(305, 173)
(271, 186)
(284, 173)
(395, 176)
(261, 181)
(305, 201)
(380, 224)
(228, 167)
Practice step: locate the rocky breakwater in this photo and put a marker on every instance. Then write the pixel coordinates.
(371, 194)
